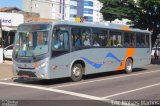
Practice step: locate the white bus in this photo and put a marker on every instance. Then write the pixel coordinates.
(70, 49)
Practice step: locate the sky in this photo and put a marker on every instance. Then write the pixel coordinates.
(11, 3)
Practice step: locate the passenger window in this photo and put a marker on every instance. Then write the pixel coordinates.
(76, 37)
(126, 40)
(115, 39)
(140, 40)
(81, 37)
(86, 37)
(129, 39)
(60, 40)
(132, 41)
(100, 37)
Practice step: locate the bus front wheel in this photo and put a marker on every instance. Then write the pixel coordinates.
(76, 72)
(129, 66)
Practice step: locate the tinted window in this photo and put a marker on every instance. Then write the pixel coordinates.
(100, 37)
(129, 39)
(115, 39)
(60, 41)
(147, 40)
(81, 37)
(140, 40)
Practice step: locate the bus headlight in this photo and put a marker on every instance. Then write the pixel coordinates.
(43, 65)
(40, 65)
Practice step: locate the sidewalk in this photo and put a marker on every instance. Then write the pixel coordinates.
(6, 70)
(7, 62)
(156, 62)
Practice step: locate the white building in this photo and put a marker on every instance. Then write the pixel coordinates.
(11, 20)
(65, 9)
(9, 23)
(98, 17)
(47, 9)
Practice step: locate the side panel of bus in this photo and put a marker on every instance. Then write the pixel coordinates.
(142, 57)
(98, 59)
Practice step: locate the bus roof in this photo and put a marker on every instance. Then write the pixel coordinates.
(89, 24)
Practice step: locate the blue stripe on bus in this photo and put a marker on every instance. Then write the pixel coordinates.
(113, 56)
(98, 65)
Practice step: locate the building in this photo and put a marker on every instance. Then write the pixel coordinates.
(10, 18)
(46, 9)
(10, 10)
(90, 9)
(65, 9)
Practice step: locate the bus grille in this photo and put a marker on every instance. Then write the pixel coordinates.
(26, 73)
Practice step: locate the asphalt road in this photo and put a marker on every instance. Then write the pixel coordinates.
(142, 87)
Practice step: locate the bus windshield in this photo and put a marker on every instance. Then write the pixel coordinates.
(31, 42)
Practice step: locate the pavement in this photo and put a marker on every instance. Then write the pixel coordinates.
(156, 62)
(5, 70)
(139, 88)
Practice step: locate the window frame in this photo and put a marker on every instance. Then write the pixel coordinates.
(55, 53)
(73, 47)
(102, 29)
(130, 34)
(122, 37)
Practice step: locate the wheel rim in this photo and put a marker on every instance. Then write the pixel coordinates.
(129, 66)
(76, 71)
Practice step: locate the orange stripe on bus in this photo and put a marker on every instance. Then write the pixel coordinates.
(125, 28)
(129, 53)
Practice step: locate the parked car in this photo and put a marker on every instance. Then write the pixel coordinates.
(7, 52)
(153, 50)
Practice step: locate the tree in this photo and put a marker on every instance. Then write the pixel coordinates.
(144, 14)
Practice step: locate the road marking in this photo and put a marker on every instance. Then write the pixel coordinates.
(66, 85)
(57, 91)
(66, 92)
(134, 90)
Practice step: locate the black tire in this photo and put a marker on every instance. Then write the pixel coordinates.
(76, 72)
(129, 66)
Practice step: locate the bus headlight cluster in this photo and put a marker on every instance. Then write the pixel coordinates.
(42, 65)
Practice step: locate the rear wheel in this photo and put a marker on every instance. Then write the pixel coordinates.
(129, 66)
(77, 72)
